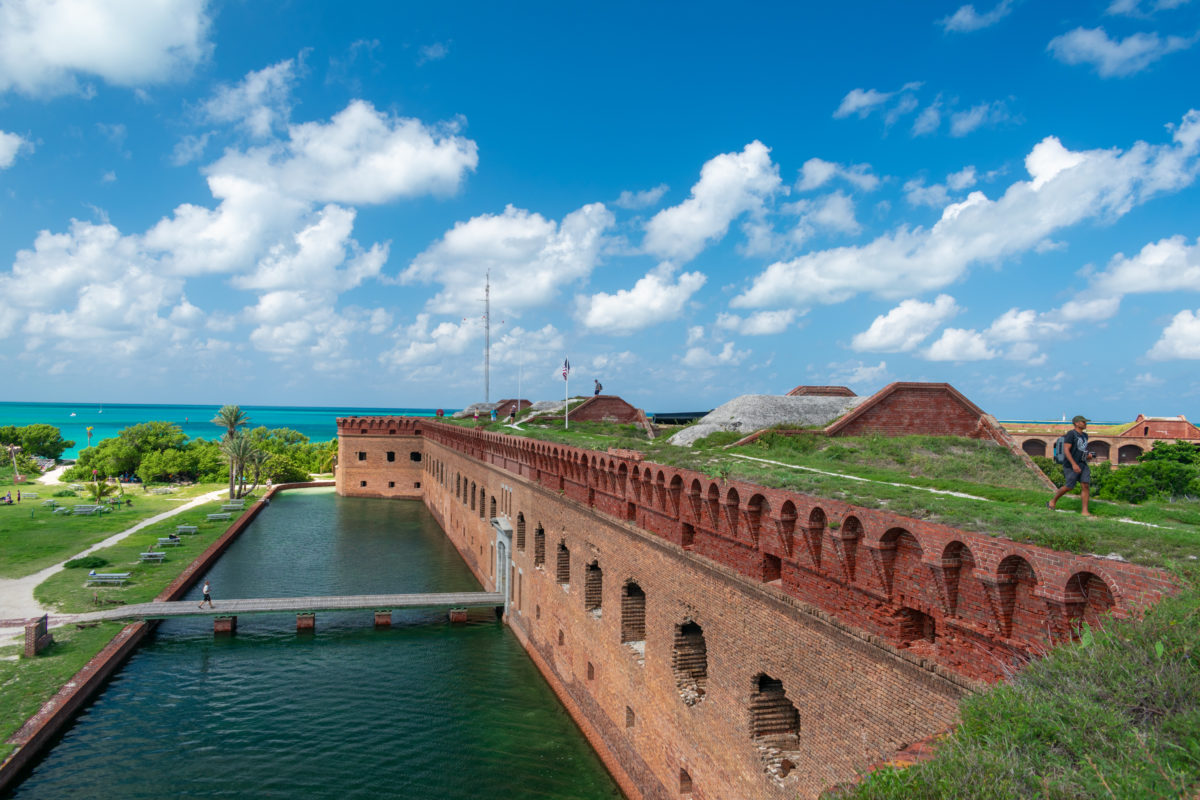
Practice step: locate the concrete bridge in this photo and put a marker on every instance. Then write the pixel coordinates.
(226, 612)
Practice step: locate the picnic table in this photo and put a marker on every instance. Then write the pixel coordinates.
(51, 502)
(108, 577)
(214, 517)
(89, 510)
(29, 495)
(186, 530)
(169, 542)
(62, 510)
(153, 556)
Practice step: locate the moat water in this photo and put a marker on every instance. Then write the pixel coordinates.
(423, 710)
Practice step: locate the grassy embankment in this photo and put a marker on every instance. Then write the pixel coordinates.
(27, 683)
(1116, 715)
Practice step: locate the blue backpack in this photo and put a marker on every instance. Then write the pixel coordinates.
(1059, 444)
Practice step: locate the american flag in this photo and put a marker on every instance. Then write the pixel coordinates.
(566, 368)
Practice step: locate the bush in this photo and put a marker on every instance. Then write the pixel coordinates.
(1138, 483)
(64, 493)
(87, 562)
(1052, 468)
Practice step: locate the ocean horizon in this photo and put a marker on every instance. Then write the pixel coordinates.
(318, 423)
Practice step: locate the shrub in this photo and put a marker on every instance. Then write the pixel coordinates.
(1051, 467)
(87, 562)
(64, 493)
(1137, 483)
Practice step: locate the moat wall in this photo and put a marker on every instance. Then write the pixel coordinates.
(730, 640)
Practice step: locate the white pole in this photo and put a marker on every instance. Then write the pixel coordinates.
(520, 365)
(566, 404)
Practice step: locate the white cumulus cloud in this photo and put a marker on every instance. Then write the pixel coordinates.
(642, 199)
(730, 185)
(728, 355)
(10, 146)
(760, 323)
(259, 103)
(958, 344)
(905, 326)
(1180, 339)
(1065, 188)
(656, 297)
(817, 172)
(1112, 58)
(967, 19)
(47, 46)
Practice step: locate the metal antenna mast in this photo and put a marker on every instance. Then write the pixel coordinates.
(487, 336)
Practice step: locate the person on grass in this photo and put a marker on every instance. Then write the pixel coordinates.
(1075, 466)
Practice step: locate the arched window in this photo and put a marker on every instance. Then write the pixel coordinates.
(521, 531)
(562, 568)
(539, 546)
(633, 615)
(593, 588)
(689, 662)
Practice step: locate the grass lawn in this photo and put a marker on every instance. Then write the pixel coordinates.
(66, 592)
(27, 683)
(32, 537)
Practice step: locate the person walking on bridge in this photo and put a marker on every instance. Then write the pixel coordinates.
(1075, 466)
(207, 596)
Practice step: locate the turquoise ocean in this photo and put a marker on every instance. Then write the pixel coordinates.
(318, 423)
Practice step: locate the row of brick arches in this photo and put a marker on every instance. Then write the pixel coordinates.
(1100, 449)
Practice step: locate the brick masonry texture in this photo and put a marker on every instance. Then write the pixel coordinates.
(874, 624)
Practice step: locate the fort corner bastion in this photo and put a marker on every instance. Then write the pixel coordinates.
(718, 639)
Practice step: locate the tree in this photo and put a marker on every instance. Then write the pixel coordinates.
(1179, 452)
(43, 440)
(241, 453)
(98, 490)
(230, 418)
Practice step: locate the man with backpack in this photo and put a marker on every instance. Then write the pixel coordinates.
(1071, 451)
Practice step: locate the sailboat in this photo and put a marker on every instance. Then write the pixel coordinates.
(72, 413)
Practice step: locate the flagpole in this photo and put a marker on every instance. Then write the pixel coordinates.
(566, 404)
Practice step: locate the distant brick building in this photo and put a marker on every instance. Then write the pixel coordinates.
(821, 391)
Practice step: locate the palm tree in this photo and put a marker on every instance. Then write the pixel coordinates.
(240, 451)
(100, 490)
(257, 459)
(230, 418)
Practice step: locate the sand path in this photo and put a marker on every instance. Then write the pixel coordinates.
(17, 604)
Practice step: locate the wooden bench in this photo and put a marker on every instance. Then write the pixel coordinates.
(153, 557)
(168, 542)
(186, 530)
(215, 517)
(117, 578)
(90, 510)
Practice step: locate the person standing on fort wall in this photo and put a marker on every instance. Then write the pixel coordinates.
(599, 389)
(1075, 466)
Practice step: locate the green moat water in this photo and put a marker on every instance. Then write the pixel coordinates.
(423, 710)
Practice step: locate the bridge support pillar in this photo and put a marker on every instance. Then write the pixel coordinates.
(458, 615)
(383, 619)
(224, 626)
(306, 622)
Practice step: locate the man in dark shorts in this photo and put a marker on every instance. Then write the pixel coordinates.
(1075, 467)
(207, 596)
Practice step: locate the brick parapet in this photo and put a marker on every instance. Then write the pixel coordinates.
(996, 605)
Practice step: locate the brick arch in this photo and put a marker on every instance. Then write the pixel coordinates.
(1099, 449)
(1088, 598)
(694, 496)
(622, 476)
(904, 574)
(714, 505)
(814, 534)
(1022, 615)
(965, 595)
(787, 523)
(660, 486)
(635, 482)
(1128, 453)
(757, 510)
(732, 510)
(674, 490)
(845, 542)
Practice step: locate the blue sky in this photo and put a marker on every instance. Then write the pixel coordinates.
(297, 203)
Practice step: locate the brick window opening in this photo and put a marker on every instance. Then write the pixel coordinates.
(630, 511)
(362, 456)
(482, 499)
(774, 726)
(472, 495)
(391, 484)
(492, 508)
(772, 568)
(633, 618)
(539, 547)
(593, 588)
(689, 662)
(521, 532)
(417, 485)
(362, 484)
(561, 639)
(363, 431)
(629, 717)
(916, 626)
(591, 672)
(415, 455)
(391, 456)
(391, 431)
(685, 782)
(537, 611)
(687, 536)
(562, 569)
